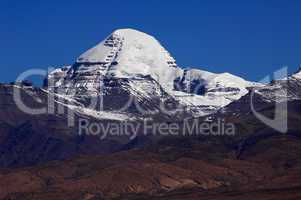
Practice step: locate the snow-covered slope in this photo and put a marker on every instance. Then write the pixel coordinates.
(205, 92)
(197, 81)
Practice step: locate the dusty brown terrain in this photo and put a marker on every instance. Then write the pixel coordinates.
(164, 173)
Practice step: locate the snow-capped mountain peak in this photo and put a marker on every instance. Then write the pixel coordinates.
(129, 63)
(130, 53)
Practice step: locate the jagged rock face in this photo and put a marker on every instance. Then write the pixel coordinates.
(142, 97)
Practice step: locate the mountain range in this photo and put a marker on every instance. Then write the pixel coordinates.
(130, 77)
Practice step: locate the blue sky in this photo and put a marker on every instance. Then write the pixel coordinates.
(247, 38)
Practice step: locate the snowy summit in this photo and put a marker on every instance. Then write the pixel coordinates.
(131, 53)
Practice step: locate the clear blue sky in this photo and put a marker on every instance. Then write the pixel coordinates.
(246, 38)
